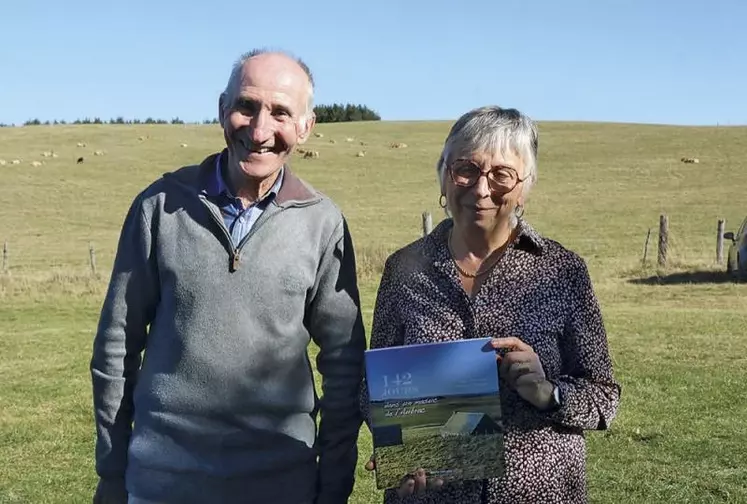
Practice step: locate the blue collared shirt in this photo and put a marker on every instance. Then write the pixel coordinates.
(238, 220)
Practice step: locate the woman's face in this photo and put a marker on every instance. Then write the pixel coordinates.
(488, 203)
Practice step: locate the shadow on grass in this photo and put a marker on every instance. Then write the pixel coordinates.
(686, 277)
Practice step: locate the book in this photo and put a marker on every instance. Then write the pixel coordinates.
(435, 406)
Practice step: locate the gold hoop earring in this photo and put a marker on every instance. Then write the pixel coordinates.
(442, 201)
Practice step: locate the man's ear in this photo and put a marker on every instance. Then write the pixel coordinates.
(306, 126)
(221, 106)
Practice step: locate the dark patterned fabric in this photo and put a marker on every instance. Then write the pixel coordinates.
(541, 293)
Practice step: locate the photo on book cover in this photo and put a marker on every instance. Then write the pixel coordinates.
(435, 406)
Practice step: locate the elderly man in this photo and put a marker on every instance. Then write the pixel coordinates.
(224, 273)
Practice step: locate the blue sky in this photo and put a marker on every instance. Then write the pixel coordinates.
(650, 61)
(421, 371)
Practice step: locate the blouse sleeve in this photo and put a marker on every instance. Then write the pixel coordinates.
(589, 394)
(386, 328)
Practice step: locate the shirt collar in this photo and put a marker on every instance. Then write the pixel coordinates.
(526, 239)
(216, 184)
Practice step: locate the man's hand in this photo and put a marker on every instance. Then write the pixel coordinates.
(414, 483)
(521, 368)
(110, 492)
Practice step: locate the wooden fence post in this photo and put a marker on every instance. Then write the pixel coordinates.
(427, 223)
(645, 246)
(92, 256)
(663, 239)
(720, 241)
(5, 256)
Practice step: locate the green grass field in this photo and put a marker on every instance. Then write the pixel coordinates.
(434, 413)
(677, 335)
(459, 457)
(479, 456)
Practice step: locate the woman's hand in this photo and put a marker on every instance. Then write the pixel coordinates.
(521, 368)
(415, 483)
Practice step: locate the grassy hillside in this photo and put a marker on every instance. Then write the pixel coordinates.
(676, 335)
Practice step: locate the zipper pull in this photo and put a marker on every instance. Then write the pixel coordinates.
(235, 262)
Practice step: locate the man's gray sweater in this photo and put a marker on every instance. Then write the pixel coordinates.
(224, 404)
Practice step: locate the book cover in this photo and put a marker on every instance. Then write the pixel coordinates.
(435, 406)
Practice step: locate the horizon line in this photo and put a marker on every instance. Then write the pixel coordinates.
(201, 122)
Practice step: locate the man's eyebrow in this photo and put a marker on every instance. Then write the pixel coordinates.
(282, 107)
(248, 100)
(244, 100)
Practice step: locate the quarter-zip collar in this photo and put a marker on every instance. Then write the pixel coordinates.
(196, 179)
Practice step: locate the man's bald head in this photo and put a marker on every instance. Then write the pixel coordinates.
(234, 80)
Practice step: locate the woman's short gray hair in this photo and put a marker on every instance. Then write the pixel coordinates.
(492, 129)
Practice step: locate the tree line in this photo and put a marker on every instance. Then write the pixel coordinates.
(336, 112)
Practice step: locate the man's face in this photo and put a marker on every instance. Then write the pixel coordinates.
(265, 118)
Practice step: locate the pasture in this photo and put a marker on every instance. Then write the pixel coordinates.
(677, 336)
(467, 455)
(479, 456)
(433, 413)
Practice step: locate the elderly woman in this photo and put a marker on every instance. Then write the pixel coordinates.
(484, 272)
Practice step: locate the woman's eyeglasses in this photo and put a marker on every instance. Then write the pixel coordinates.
(501, 179)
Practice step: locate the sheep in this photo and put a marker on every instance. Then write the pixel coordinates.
(98, 153)
(184, 145)
(36, 163)
(361, 154)
(16, 161)
(311, 154)
(319, 135)
(80, 160)
(398, 145)
(3, 162)
(81, 144)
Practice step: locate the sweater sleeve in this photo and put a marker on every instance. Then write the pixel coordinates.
(127, 310)
(336, 326)
(588, 390)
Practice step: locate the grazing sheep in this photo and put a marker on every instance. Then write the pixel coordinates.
(361, 154)
(16, 161)
(46, 154)
(311, 154)
(398, 145)
(184, 145)
(141, 138)
(98, 153)
(332, 141)
(80, 160)
(350, 139)
(690, 160)
(3, 162)
(81, 144)
(36, 163)
(319, 135)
